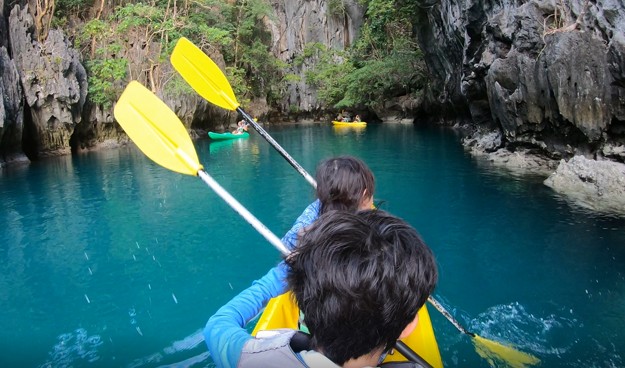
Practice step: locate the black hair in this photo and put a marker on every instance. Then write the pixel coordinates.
(360, 279)
(341, 182)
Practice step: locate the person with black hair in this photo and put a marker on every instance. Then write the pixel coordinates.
(360, 280)
(343, 183)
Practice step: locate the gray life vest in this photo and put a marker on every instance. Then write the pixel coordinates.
(279, 350)
(270, 352)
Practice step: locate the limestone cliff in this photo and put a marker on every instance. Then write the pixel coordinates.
(54, 84)
(543, 74)
(546, 74)
(45, 108)
(298, 23)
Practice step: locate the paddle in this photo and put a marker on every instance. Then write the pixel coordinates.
(209, 82)
(158, 132)
(488, 349)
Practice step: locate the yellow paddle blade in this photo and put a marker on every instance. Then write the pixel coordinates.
(203, 74)
(502, 355)
(156, 129)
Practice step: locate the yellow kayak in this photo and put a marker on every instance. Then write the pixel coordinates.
(281, 312)
(352, 123)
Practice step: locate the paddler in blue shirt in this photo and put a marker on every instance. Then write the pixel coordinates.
(343, 183)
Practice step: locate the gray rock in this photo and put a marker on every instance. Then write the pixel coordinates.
(597, 185)
(487, 147)
(54, 83)
(542, 71)
(298, 23)
(11, 112)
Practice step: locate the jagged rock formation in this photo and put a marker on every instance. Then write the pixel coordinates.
(11, 106)
(301, 22)
(546, 74)
(54, 83)
(11, 112)
(46, 110)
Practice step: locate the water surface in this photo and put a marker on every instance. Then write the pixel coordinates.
(107, 259)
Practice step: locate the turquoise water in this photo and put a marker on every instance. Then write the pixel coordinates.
(108, 260)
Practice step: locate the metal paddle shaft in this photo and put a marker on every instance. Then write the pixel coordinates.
(278, 148)
(447, 315)
(207, 79)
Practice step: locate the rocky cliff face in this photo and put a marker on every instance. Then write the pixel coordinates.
(54, 84)
(45, 110)
(301, 22)
(546, 74)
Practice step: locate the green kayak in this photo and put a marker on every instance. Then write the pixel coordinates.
(225, 136)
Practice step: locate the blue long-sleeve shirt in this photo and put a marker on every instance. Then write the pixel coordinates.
(310, 214)
(225, 332)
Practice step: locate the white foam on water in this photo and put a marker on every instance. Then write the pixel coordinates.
(72, 348)
(512, 324)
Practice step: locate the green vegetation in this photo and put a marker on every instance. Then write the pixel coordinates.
(133, 40)
(123, 40)
(384, 61)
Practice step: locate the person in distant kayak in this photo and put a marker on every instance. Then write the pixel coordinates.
(343, 183)
(357, 119)
(360, 279)
(241, 127)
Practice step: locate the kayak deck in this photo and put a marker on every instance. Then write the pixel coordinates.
(281, 312)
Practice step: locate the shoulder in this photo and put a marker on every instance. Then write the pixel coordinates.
(271, 349)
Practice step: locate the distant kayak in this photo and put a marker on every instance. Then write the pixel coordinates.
(225, 136)
(352, 123)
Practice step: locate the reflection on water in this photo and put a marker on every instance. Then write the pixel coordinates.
(107, 259)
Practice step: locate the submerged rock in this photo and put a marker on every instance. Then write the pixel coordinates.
(489, 146)
(597, 185)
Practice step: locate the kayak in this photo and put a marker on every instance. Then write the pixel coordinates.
(224, 136)
(281, 312)
(353, 123)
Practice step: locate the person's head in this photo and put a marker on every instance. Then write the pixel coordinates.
(344, 183)
(360, 279)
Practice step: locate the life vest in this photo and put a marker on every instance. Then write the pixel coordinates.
(279, 350)
(274, 351)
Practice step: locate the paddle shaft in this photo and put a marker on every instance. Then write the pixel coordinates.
(447, 315)
(410, 354)
(277, 146)
(247, 215)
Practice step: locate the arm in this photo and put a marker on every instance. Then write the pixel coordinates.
(225, 332)
(307, 217)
